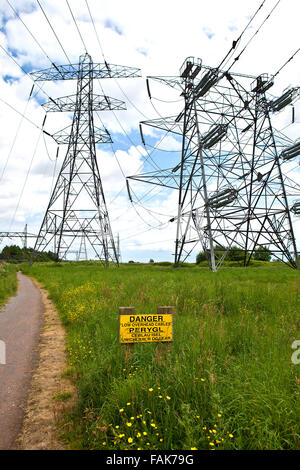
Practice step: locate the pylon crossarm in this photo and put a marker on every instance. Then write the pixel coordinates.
(97, 103)
(168, 124)
(101, 136)
(74, 72)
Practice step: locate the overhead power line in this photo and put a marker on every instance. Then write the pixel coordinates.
(75, 22)
(287, 62)
(253, 36)
(57, 38)
(235, 43)
(33, 37)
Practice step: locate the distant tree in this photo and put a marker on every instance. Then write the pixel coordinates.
(262, 253)
(131, 261)
(151, 260)
(235, 254)
(201, 256)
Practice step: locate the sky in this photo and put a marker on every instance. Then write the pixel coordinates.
(155, 37)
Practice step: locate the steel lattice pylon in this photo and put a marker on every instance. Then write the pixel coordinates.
(77, 207)
(233, 190)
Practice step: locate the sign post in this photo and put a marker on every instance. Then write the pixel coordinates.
(123, 312)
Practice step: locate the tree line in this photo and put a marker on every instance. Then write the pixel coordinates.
(262, 253)
(15, 254)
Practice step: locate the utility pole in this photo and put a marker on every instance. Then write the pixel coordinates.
(77, 211)
(233, 190)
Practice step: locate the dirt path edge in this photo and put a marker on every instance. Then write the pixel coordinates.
(44, 410)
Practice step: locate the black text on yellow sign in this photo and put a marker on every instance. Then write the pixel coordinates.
(146, 328)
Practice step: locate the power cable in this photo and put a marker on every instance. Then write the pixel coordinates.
(57, 38)
(287, 62)
(24, 71)
(26, 178)
(253, 36)
(33, 37)
(75, 22)
(16, 134)
(25, 117)
(235, 43)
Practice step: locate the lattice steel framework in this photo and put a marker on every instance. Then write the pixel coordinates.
(232, 182)
(77, 209)
(21, 235)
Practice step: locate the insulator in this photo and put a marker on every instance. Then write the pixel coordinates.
(141, 133)
(214, 135)
(148, 88)
(222, 198)
(107, 66)
(247, 128)
(262, 83)
(128, 190)
(188, 68)
(209, 80)
(31, 91)
(176, 168)
(296, 208)
(195, 72)
(180, 115)
(291, 152)
(284, 100)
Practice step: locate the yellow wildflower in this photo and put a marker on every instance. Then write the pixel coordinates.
(130, 440)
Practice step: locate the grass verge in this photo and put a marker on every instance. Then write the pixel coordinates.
(227, 381)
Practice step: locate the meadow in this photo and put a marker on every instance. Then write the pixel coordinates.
(8, 281)
(226, 382)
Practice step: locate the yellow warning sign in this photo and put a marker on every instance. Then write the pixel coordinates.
(146, 328)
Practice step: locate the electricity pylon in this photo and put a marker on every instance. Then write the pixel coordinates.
(22, 235)
(77, 209)
(233, 190)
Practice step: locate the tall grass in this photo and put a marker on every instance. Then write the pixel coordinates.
(8, 281)
(226, 382)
